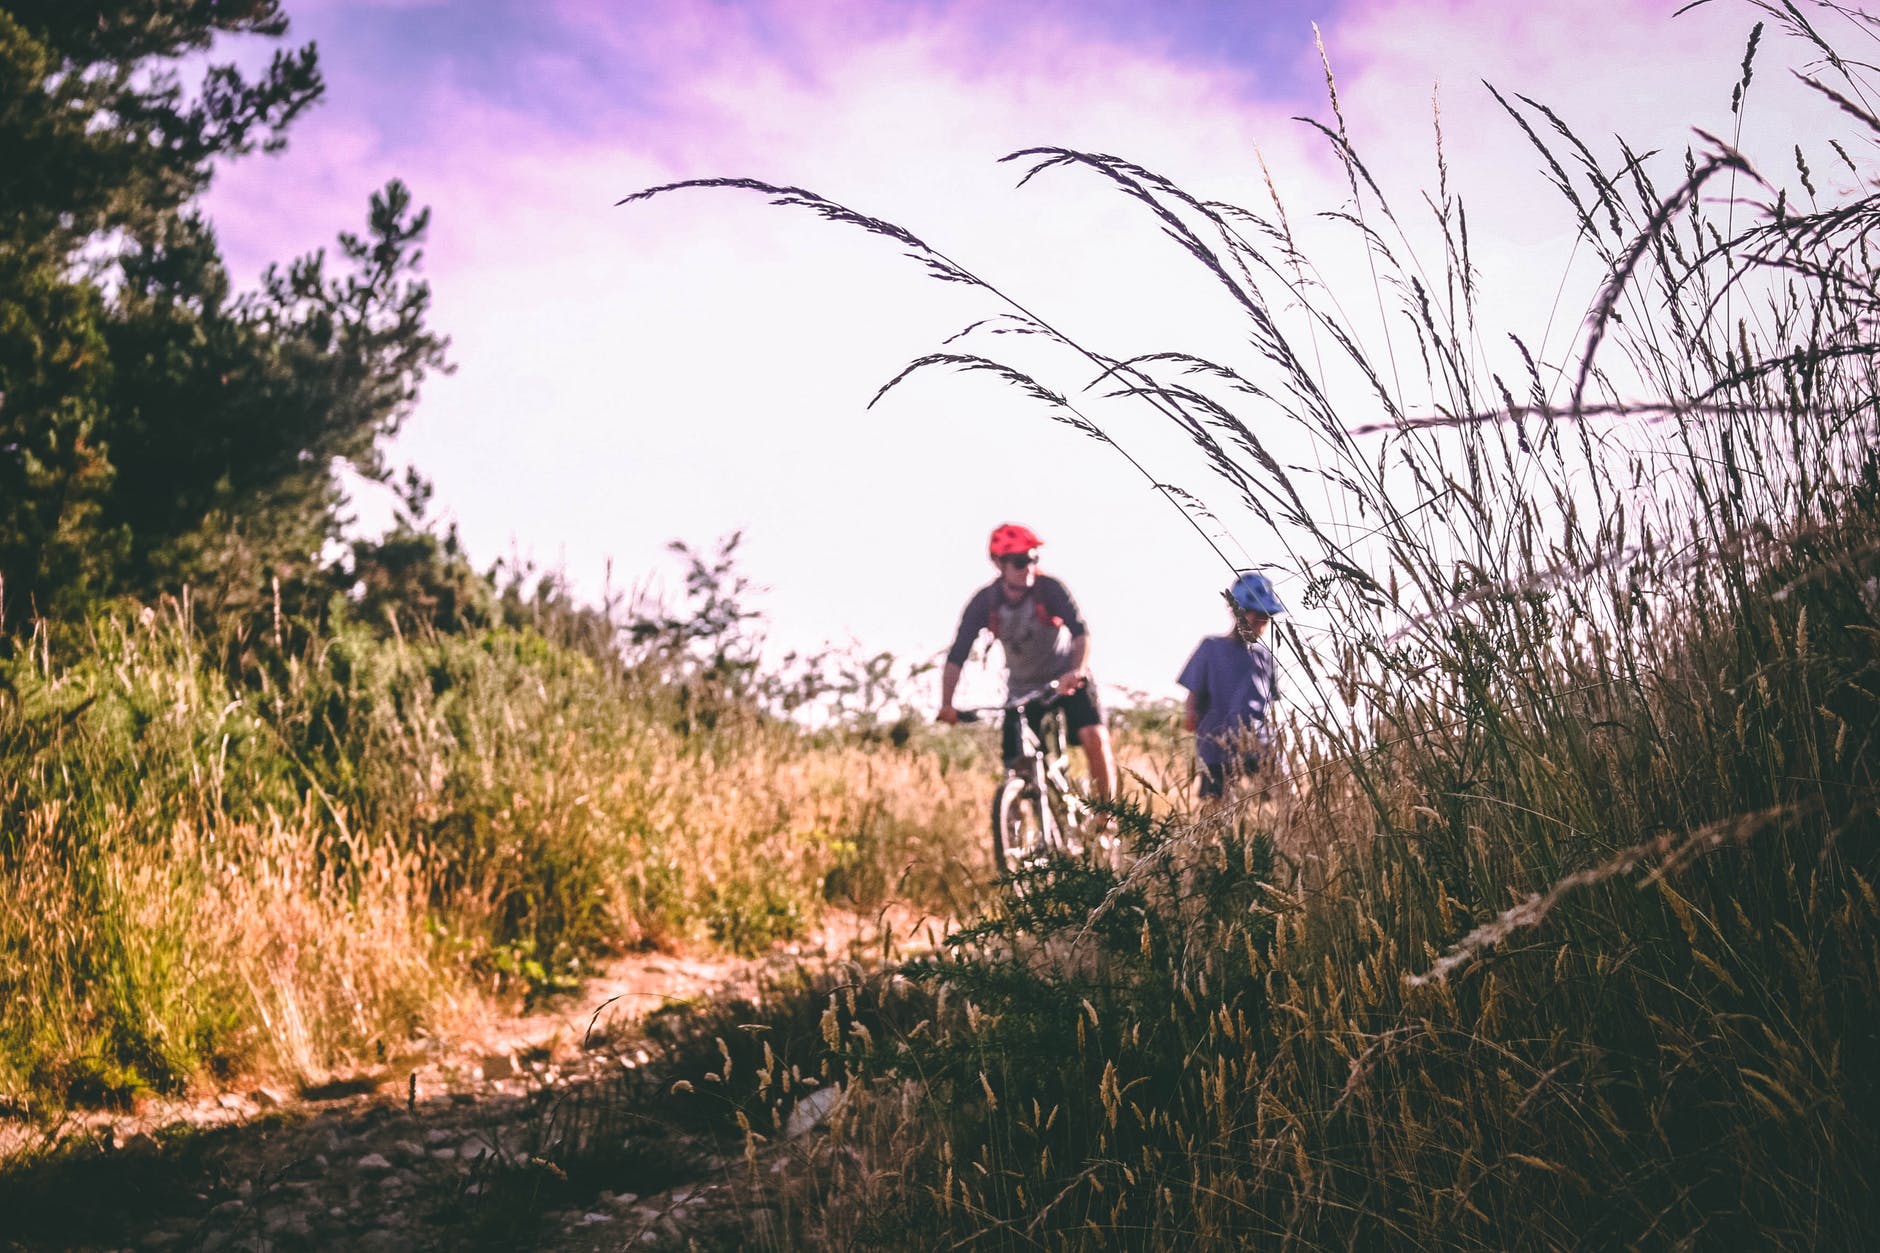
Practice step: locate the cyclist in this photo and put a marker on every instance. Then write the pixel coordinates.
(1232, 687)
(1045, 642)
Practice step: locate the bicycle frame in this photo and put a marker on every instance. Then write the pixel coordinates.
(1037, 813)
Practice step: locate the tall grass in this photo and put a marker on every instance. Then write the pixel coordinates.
(286, 850)
(1567, 935)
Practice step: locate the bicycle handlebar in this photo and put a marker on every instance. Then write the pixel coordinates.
(1047, 696)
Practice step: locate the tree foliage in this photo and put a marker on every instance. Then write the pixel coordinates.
(156, 427)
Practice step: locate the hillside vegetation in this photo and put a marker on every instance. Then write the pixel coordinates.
(1557, 926)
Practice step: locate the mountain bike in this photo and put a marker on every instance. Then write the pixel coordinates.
(1038, 814)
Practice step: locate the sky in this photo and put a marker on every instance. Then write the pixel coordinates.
(702, 363)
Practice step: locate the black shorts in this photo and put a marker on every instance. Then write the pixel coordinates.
(1214, 779)
(1082, 708)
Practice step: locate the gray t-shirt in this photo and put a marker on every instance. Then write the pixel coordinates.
(1036, 633)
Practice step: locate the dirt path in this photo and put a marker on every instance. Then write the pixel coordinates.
(400, 1156)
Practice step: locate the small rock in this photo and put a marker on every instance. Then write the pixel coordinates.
(267, 1098)
(591, 1218)
(444, 1153)
(623, 1199)
(499, 1065)
(373, 1163)
(287, 1223)
(810, 1112)
(408, 1151)
(227, 1209)
(436, 1135)
(231, 1101)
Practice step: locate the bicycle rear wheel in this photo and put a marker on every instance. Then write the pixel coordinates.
(1018, 827)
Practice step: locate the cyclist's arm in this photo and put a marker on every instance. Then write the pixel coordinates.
(1191, 712)
(1063, 606)
(949, 680)
(972, 622)
(1077, 671)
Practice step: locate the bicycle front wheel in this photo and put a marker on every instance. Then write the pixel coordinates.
(1019, 837)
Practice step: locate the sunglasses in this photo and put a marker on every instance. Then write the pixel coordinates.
(1018, 560)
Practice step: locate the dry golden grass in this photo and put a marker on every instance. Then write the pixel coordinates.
(295, 874)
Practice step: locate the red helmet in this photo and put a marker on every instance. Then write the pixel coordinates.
(1011, 538)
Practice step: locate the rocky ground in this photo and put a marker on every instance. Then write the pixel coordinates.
(441, 1149)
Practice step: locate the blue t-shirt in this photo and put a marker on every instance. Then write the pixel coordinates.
(1234, 687)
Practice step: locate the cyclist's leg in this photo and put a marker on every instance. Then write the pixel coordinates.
(1213, 779)
(1009, 746)
(1083, 715)
(1248, 785)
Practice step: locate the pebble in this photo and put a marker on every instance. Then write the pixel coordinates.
(288, 1223)
(810, 1112)
(373, 1163)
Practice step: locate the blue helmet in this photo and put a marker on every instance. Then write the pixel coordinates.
(1252, 591)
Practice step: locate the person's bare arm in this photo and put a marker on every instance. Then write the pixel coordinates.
(1191, 712)
(1074, 677)
(949, 680)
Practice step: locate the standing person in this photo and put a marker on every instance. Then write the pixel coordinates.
(1232, 687)
(1046, 644)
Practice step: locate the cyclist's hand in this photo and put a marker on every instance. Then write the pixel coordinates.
(948, 715)
(1069, 683)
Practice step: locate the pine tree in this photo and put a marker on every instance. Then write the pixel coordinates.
(157, 428)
